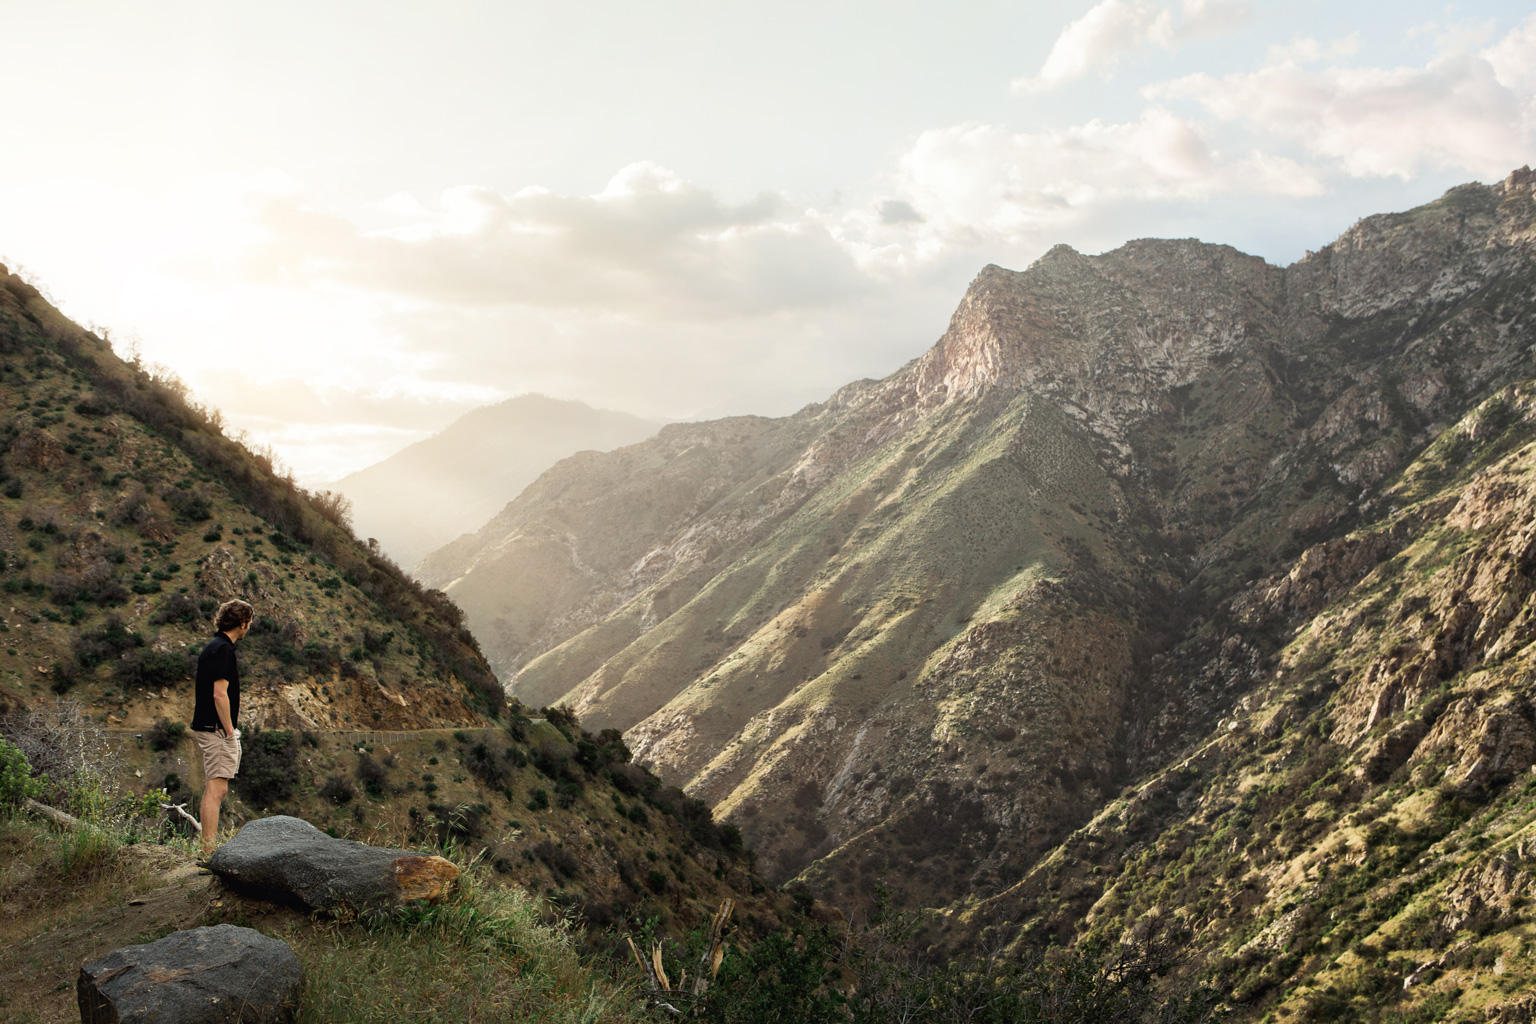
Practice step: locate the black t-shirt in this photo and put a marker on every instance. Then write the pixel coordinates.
(216, 662)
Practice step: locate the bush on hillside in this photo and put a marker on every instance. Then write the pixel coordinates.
(338, 789)
(268, 764)
(153, 668)
(595, 754)
(372, 774)
(106, 643)
(165, 734)
(558, 858)
(177, 608)
(16, 782)
(484, 764)
(563, 718)
(459, 823)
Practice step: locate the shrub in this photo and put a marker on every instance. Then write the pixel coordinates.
(563, 718)
(371, 774)
(190, 506)
(106, 643)
(606, 749)
(319, 658)
(268, 764)
(632, 780)
(165, 734)
(334, 506)
(483, 763)
(558, 858)
(152, 668)
(176, 608)
(338, 790)
(16, 782)
(462, 822)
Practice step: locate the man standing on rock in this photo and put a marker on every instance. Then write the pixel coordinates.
(216, 718)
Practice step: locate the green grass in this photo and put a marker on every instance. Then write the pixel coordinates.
(485, 954)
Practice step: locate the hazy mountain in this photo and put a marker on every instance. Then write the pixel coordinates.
(427, 494)
(1171, 590)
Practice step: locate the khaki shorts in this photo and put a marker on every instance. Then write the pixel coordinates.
(221, 755)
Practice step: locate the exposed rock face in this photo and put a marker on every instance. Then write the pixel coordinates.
(291, 857)
(218, 975)
(926, 628)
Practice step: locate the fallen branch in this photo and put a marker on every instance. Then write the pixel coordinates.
(57, 816)
(181, 810)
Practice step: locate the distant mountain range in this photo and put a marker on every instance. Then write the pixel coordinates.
(1171, 593)
(424, 496)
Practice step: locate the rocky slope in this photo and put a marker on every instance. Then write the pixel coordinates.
(424, 496)
(926, 629)
(1353, 840)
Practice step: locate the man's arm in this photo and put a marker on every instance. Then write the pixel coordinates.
(221, 705)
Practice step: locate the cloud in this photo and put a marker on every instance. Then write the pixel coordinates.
(899, 211)
(1113, 29)
(978, 179)
(1463, 111)
(650, 244)
(1513, 59)
(1305, 50)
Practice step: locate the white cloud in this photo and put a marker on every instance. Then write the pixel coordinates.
(980, 179)
(1305, 50)
(650, 244)
(1113, 29)
(1513, 59)
(1465, 112)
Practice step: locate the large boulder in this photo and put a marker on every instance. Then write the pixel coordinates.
(290, 857)
(222, 974)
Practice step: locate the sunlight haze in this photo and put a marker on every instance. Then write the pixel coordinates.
(347, 224)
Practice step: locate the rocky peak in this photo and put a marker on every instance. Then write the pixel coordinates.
(1427, 256)
(1107, 336)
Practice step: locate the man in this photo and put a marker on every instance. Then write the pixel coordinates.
(216, 718)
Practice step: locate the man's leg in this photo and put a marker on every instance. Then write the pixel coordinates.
(213, 797)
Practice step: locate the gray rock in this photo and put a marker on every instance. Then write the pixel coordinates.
(220, 974)
(290, 857)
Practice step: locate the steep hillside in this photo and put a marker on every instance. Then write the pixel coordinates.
(928, 628)
(424, 496)
(1354, 841)
(126, 516)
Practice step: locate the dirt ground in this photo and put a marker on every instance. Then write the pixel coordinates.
(53, 927)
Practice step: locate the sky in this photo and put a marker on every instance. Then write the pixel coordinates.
(345, 224)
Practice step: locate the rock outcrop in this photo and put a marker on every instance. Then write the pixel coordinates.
(289, 857)
(218, 975)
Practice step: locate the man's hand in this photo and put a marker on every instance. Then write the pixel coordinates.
(221, 705)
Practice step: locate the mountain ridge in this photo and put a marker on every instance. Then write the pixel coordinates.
(1076, 355)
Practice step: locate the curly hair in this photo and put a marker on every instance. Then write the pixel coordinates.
(232, 614)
